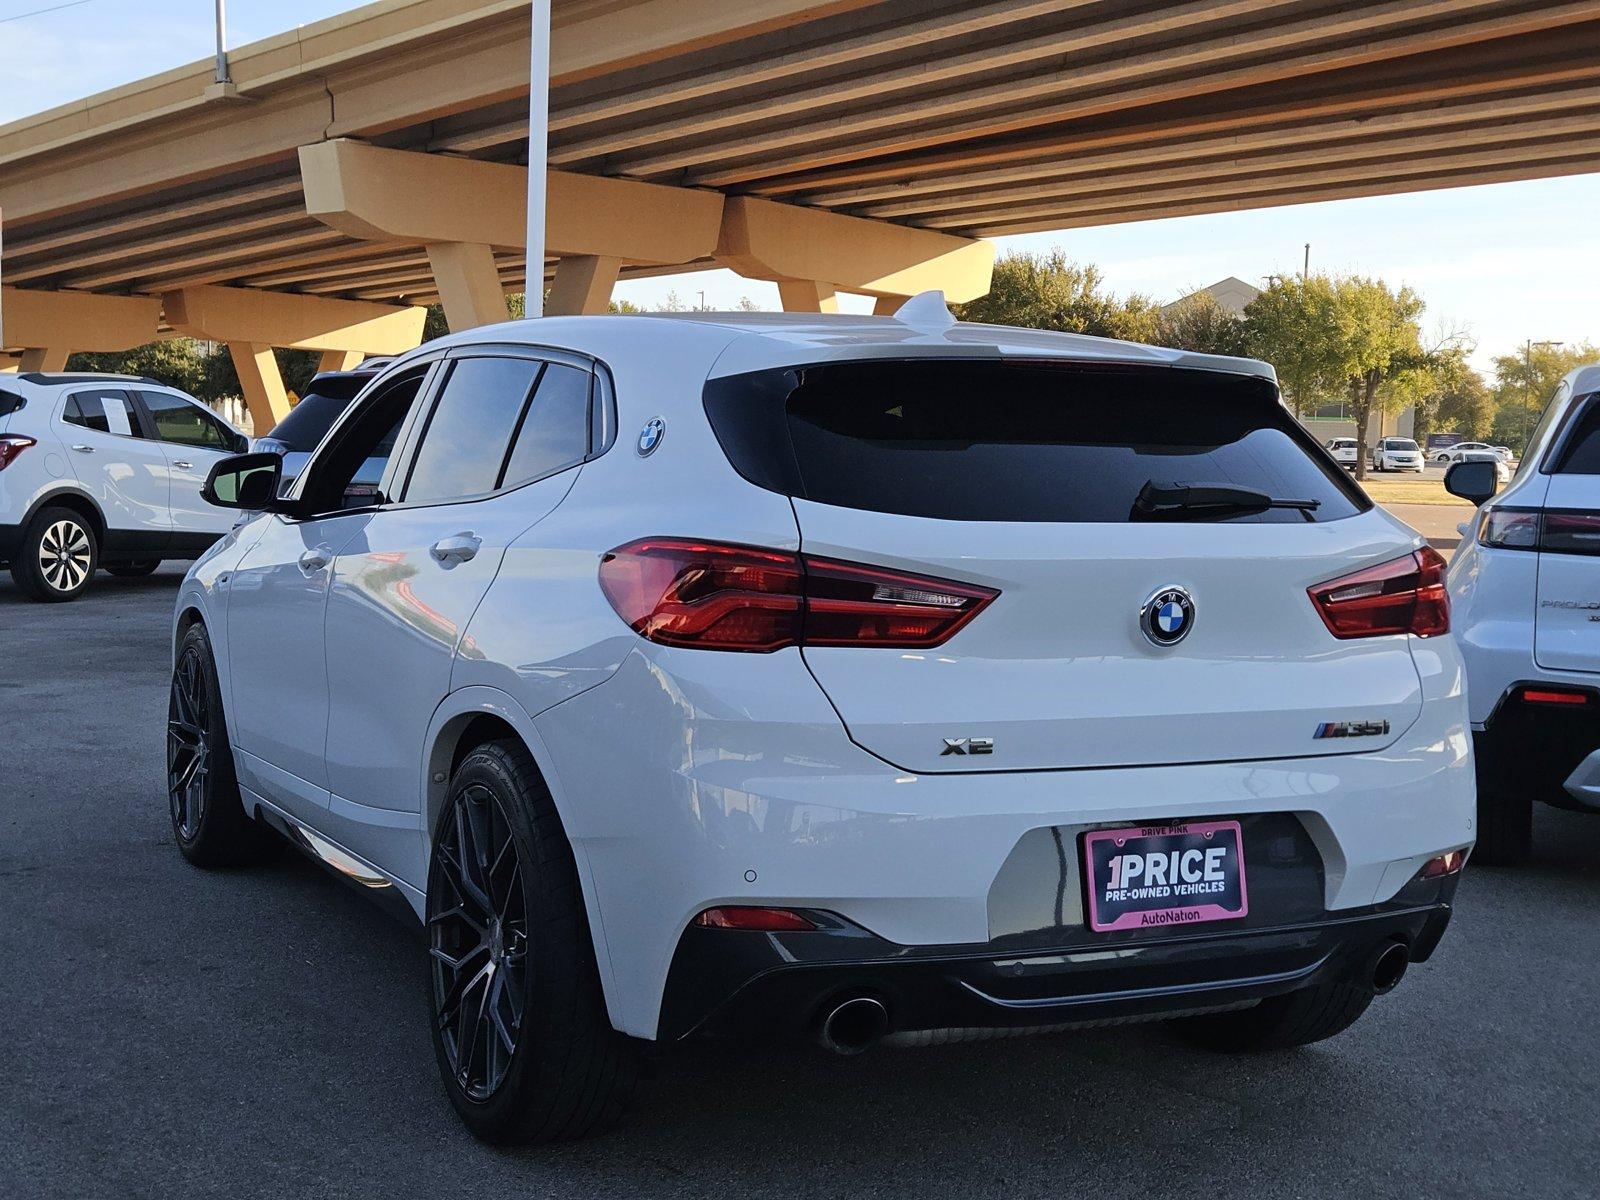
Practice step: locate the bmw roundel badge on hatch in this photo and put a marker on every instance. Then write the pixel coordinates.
(650, 436)
(1167, 616)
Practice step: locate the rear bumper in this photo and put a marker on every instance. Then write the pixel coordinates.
(727, 983)
(1548, 752)
(10, 539)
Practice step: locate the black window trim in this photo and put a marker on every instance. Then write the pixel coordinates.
(1554, 460)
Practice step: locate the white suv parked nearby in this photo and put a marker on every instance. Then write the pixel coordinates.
(867, 678)
(1526, 588)
(1397, 454)
(103, 471)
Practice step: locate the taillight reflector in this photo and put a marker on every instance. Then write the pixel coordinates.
(1444, 864)
(1554, 696)
(11, 445)
(714, 596)
(1405, 595)
(768, 920)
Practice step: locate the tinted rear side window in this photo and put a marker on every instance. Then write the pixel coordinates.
(1019, 441)
(467, 438)
(1582, 453)
(308, 422)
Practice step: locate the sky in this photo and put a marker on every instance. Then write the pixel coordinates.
(1503, 264)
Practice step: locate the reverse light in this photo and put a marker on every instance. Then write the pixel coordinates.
(11, 445)
(1443, 864)
(766, 920)
(1405, 595)
(715, 596)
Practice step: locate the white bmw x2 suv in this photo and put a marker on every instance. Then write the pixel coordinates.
(872, 678)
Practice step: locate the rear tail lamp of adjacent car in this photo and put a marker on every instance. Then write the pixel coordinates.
(1444, 864)
(11, 445)
(1554, 532)
(1405, 595)
(715, 596)
(765, 920)
(1554, 697)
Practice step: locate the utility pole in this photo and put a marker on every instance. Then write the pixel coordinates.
(538, 156)
(1527, 363)
(222, 42)
(1305, 271)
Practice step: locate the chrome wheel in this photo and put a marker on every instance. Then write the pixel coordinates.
(64, 555)
(478, 938)
(188, 744)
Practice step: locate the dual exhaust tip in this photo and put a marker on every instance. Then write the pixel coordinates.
(856, 1023)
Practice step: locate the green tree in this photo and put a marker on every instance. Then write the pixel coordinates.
(1524, 383)
(1293, 326)
(1201, 324)
(1445, 391)
(176, 362)
(1049, 291)
(1379, 345)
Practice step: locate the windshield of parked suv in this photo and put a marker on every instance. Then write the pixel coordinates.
(1020, 441)
(309, 421)
(1399, 444)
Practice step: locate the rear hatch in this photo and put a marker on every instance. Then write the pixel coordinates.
(1567, 616)
(1024, 477)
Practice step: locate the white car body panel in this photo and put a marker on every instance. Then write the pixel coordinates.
(687, 778)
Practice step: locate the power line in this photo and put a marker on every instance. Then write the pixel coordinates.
(39, 12)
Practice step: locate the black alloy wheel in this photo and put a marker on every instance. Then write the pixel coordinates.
(189, 744)
(479, 942)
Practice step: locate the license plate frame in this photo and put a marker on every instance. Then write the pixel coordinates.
(1218, 890)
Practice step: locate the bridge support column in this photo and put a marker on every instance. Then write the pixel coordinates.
(583, 285)
(804, 295)
(44, 358)
(262, 384)
(469, 284)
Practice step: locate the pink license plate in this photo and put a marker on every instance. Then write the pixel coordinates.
(1160, 876)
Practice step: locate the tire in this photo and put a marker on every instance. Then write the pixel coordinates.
(57, 556)
(134, 570)
(208, 818)
(1280, 1022)
(538, 1061)
(1505, 828)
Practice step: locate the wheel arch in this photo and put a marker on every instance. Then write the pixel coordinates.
(468, 718)
(75, 499)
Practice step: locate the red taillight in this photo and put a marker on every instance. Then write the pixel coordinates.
(1403, 596)
(1444, 864)
(711, 596)
(768, 920)
(1557, 696)
(11, 445)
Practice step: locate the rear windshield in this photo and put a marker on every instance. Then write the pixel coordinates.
(310, 419)
(1020, 441)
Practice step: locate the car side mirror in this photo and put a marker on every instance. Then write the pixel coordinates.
(1474, 481)
(247, 481)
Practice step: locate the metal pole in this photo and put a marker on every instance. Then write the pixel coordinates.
(538, 155)
(222, 42)
(1305, 272)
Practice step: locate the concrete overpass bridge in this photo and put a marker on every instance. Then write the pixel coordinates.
(373, 162)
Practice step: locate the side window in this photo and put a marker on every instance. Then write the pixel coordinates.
(464, 446)
(1582, 455)
(105, 411)
(555, 430)
(346, 471)
(178, 420)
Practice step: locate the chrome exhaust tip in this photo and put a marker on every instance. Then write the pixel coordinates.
(1389, 967)
(852, 1025)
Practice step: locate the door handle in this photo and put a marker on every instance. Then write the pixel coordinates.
(82, 449)
(463, 547)
(183, 466)
(313, 561)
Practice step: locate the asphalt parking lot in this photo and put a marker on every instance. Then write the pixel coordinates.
(173, 1032)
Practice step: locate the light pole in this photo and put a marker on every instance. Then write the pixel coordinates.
(222, 42)
(1527, 361)
(538, 156)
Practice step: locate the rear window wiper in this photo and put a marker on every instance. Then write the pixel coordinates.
(1163, 499)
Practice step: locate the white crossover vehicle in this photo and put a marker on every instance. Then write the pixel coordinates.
(1526, 587)
(1468, 450)
(872, 678)
(1344, 451)
(1396, 454)
(103, 471)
